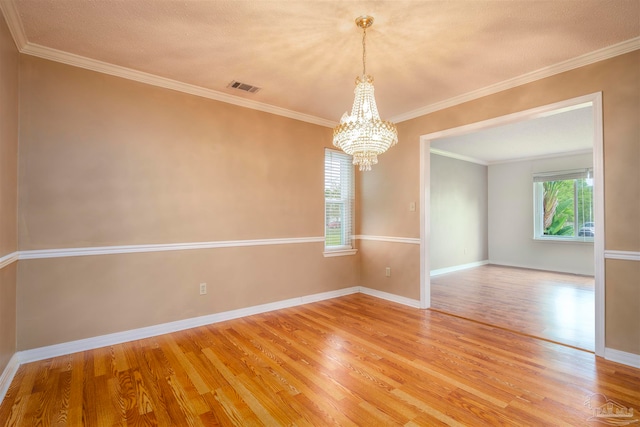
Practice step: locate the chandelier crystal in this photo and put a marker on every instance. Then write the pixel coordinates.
(363, 134)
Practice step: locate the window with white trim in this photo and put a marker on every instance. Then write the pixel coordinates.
(563, 203)
(338, 202)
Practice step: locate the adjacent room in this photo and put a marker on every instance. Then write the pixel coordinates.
(512, 218)
(193, 231)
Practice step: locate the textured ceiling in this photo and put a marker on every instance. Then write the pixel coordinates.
(553, 134)
(305, 54)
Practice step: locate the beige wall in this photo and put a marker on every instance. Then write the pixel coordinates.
(106, 161)
(402, 258)
(65, 299)
(8, 190)
(623, 300)
(385, 192)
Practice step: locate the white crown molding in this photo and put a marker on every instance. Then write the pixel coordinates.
(458, 156)
(409, 240)
(624, 255)
(390, 297)
(110, 250)
(151, 79)
(11, 15)
(629, 359)
(8, 259)
(9, 372)
(458, 268)
(570, 64)
(543, 156)
(16, 28)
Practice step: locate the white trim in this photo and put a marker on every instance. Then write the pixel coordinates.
(12, 17)
(528, 267)
(16, 28)
(409, 240)
(512, 160)
(9, 259)
(629, 359)
(47, 352)
(166, 328)
(460, 267)
(390, 297)
(544, 156)
(163, 82)
(598, 216)
(532, 113)
(595, 100)
(624, 255)
(341, 252)
(580, 61)
(458, 156)
(8, 373)
(110, 250)
(425, 225)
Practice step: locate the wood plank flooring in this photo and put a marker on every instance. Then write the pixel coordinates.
(352, 361)
(554, 306)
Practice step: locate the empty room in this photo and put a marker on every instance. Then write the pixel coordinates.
(208, 217)
(511, 218)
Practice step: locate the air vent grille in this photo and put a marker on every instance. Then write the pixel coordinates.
(243, 86)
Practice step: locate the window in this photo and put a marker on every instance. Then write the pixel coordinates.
(564, 205)
(338, 203)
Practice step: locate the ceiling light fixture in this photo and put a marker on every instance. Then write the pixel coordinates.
(362, 134)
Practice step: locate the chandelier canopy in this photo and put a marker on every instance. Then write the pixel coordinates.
(363, 134)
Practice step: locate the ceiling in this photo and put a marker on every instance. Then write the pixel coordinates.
(305, 55)
(566, 131)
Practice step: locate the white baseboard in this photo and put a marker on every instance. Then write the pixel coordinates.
(629, 359)
(458, 268)
(528, 267)
(47, 352)
(7, 375)
(390, 297)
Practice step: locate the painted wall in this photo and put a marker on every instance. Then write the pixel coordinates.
(511, 219)
(386, 191)
(106, 161)
(8, 190)
(458, 212)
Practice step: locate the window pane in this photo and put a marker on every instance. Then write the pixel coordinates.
(334, 233)
(584, 194)
(558, 204)
(338, 198)
(563, 205)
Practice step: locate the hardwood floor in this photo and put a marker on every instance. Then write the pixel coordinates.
(554, 306)
(353, 360)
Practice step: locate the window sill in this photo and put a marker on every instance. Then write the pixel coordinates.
(560, 240)
(339, 252)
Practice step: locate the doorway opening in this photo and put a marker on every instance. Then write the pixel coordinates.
(435, 144)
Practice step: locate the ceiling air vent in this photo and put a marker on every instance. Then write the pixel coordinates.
(243, 86)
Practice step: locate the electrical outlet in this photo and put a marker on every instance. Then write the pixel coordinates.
(203, 288)
(387, 272)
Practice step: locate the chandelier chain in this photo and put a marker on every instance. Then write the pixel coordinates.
(364, 52)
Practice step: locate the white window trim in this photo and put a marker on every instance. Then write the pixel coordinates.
(342, 250)
(339, 252)
(538, 235)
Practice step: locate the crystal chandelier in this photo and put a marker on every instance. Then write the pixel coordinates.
(362, 134)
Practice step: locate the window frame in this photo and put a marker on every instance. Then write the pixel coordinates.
(538, 204)
(346, 201)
